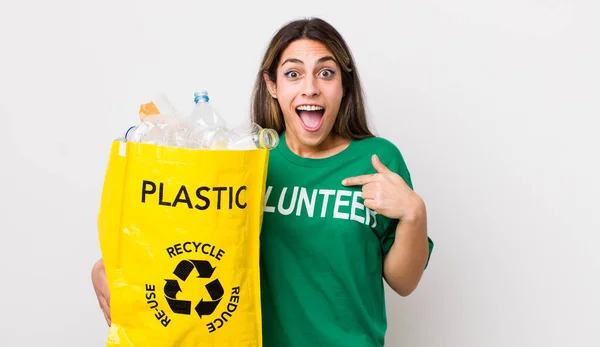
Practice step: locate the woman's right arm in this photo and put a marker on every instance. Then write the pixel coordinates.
(101, 288)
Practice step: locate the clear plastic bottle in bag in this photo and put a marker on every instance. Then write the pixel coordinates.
(204, 128)
(177, 133)
(217, 138)
(149, 131)
(158, 108)
(157, 118)
(204, 114)
(253, 136)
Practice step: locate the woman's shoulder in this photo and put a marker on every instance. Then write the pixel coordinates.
(388, 153)
(378, 145)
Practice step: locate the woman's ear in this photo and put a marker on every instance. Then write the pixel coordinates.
(271, 86)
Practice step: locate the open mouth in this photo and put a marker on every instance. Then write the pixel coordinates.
(311, 116)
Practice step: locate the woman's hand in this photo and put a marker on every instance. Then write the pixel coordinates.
(101, 288)
(386, 193)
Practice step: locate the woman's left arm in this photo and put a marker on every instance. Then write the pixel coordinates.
(386, 193)
(405, 262)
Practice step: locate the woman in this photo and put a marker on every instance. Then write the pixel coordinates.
(340, 211)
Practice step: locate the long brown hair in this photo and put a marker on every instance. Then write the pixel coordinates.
(351, 122)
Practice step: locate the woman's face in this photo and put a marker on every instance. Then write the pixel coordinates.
(309, 91)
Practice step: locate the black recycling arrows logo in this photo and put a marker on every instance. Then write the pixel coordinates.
(183, 271)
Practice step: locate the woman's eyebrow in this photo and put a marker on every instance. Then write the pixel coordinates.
(292, 60)
(325, 58)
(296, 60)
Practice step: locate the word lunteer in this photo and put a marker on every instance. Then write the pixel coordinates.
(226, 197)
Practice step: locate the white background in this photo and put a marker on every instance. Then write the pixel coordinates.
(494, 105)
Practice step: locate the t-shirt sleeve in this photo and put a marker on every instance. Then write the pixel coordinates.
(386, 227)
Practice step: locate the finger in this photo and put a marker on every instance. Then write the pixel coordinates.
(370, 204)
(368, 194)
(358, 180)
(105, 310)
(378, 165)
(107, 318)
(368, 191)
(106, 294)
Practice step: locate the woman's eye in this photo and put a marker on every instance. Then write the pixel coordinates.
(292, 75)
(326, 73)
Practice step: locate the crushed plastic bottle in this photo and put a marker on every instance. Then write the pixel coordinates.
(159, 106)
(157, 119)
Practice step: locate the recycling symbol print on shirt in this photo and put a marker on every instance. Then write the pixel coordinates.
(181, 302)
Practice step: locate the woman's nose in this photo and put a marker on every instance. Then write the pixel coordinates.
(311, 87)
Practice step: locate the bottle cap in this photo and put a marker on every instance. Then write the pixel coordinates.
(201, 96)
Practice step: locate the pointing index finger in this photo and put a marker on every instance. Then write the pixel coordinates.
(357, 180)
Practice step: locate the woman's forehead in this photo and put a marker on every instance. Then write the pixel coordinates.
(305, 51)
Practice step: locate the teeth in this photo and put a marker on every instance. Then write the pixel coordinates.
(309, 108)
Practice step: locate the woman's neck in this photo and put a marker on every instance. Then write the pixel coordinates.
(332, 145)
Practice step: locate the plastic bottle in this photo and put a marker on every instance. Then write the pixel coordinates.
(216, 138)
(146, 132)
(158, 106)
(203, 113)
(177, 134)
(203, 129)
(254, 136)
(157, 117)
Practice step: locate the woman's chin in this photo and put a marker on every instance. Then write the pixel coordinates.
(313, 138)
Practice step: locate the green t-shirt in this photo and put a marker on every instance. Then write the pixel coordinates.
(322, 251)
